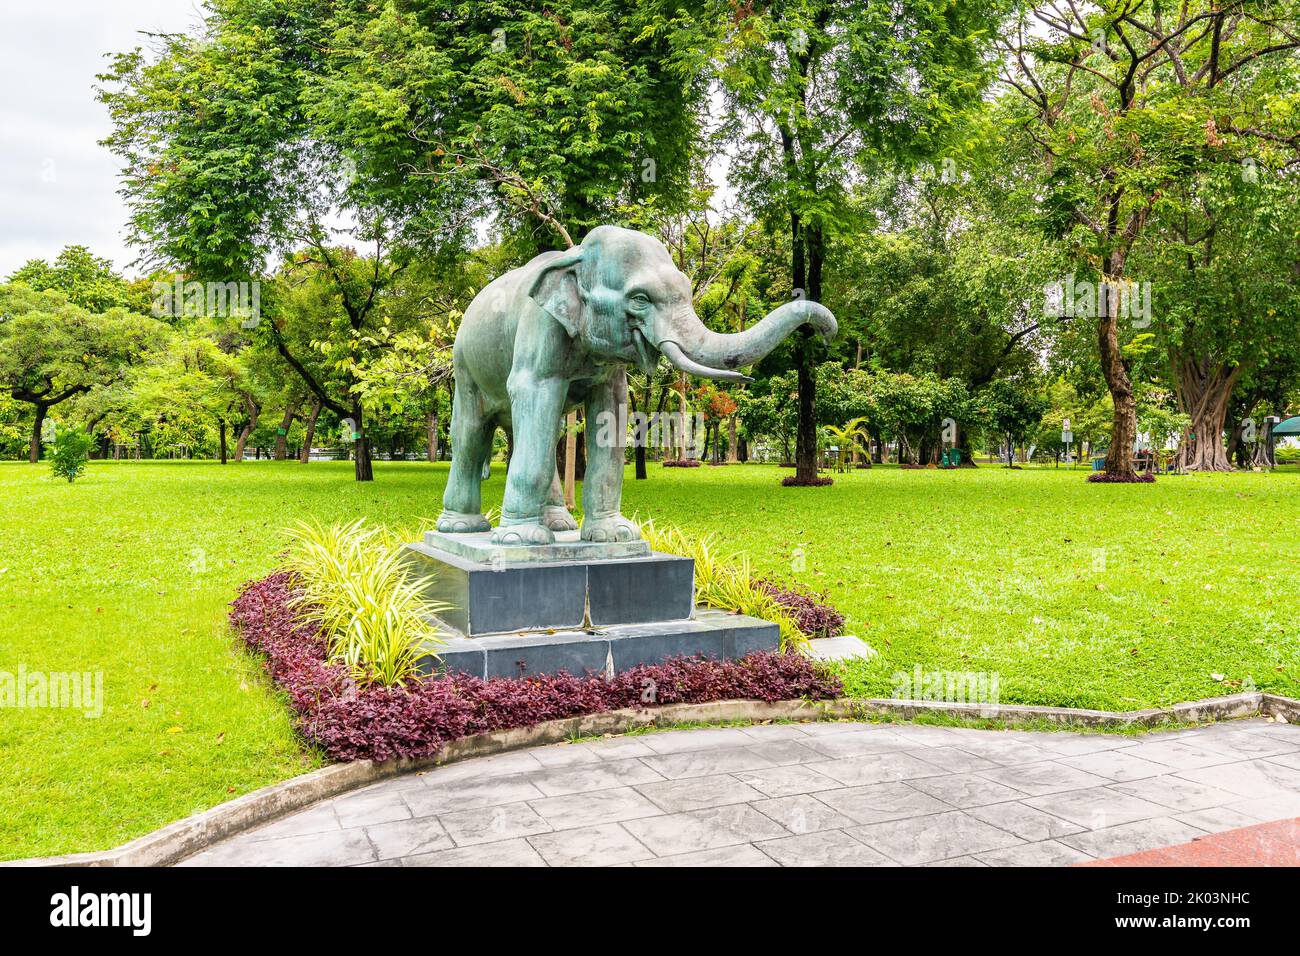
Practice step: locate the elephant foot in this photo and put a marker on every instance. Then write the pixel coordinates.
(558, 519)
(616, 528)
(456, 522)
(525, 534)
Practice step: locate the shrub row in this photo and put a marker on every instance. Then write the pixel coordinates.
(351, 722)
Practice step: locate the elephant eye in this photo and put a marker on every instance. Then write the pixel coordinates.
(640, 299)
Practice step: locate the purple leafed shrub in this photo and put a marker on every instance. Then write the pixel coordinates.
(1101, 477)
(811, 613)
(379, 723)
(681, 463)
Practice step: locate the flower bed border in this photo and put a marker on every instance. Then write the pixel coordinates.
(181, 839)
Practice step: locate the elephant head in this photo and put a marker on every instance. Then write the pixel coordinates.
(621, 294)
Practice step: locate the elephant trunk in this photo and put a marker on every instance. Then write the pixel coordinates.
(717, 355)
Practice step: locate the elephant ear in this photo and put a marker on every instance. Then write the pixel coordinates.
(556, 290)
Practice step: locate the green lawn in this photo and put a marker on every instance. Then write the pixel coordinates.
(1075, 594)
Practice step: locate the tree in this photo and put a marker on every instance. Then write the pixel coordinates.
(812, 88)
(52, 350)
(86, 279)
(1126, 99)
(1014, 408)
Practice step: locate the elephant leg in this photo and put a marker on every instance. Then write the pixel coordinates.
(602, 488)
(535, 409)
(556, 514)
(471, 439)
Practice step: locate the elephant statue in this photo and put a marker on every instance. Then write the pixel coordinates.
(557, 333)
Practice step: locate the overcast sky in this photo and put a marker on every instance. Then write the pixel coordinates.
(57, 184)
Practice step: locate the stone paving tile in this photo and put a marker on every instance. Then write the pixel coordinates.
(676, 741)
(1132, 837)
(1008, 753)
(937, 837)
(318, 819)
(881, 802)
(363, 809)
(600, 806)
(876, 768)
(1176, 793)
(829, 728)
(1117, 765)
(1182, 754)
(1287, 760)
(745, 854)
(826, 848)
(784, 753)
(1037, 779)
(490, 824)
(408, 837)
(1076, 745)
(697, 793)
(1044, 853)
(1025, 822)
(802, 813)
(617, 748)
(1252, 778)
(336, 848)
(963, 790)
(1244, 746)
(955, 861)
(604, 845)
(954, 759)
(1274, 806)
(1216, 819)
(468, 795)
(769, 732)
(786, 781)
(505, 853)
(497, 765)
(566, 755)
(928, 735)
(872, 741)
(701, 763)
(704, 829)
(601, 776)
(1097, 807)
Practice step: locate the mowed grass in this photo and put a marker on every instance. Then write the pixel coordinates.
(1083, 595)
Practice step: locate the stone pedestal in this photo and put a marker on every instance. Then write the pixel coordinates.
(576, 606)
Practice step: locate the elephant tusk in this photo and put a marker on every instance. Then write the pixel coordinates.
(673, 352)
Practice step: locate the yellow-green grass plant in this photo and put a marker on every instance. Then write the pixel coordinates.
(724, 580)
(356, 586)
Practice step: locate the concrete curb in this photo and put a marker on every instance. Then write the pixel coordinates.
(183, 838)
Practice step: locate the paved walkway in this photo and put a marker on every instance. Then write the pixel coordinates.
(805, 795)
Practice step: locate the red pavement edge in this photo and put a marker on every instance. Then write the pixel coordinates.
(1268, 844)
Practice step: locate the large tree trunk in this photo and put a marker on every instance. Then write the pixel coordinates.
(282, 434)
(1119, 459)
(432, 453)
(38, 422)
(1204, 391)
(361, 449)
(221, 437)
(254, 410)
(305, 455)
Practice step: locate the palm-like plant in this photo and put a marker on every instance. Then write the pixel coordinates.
(852, 437)
(355, 586)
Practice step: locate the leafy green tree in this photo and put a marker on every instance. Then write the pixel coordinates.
(70, 453)
(52, 350)
(1014, 409)
(1127, 100)
(813, 88)
(86, 279)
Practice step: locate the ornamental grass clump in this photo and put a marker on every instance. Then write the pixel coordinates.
(724, 580)
(356, 588)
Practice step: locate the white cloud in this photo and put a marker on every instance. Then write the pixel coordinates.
(57, 184)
